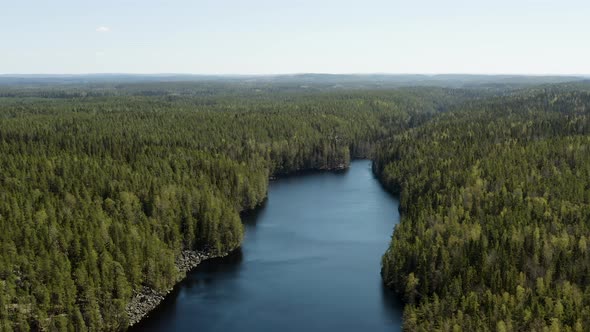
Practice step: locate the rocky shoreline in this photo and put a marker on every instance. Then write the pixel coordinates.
(147, 299)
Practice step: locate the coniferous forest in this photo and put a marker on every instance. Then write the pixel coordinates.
(495, 200)
(104, 184)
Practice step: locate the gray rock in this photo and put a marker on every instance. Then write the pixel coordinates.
(147, 299)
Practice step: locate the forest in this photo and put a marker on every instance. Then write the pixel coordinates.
(103, 185)
(100, 194)
(495, 201)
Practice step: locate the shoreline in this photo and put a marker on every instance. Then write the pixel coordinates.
(146, 299)
(225, 273)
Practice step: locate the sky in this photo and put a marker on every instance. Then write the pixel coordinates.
(295, 36)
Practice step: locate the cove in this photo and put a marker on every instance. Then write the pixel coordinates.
(310, 261)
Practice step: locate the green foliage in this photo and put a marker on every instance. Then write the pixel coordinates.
(99, 195)
(102, 186)
(495, 201)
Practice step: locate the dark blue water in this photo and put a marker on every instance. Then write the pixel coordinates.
(310, 261)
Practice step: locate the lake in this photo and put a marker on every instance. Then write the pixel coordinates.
(310, 261)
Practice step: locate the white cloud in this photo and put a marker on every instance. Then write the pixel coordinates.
(103, 29)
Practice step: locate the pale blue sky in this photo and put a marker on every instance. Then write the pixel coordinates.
(270, 37)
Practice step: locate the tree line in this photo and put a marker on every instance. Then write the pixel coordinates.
(103, 186)
(100, 194)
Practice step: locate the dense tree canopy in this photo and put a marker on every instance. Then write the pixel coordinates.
(495, 200)
(102, 186)
(100, 194)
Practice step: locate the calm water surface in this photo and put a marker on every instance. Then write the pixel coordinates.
(310, 261)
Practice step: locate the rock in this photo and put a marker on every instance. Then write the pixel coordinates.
(147, 299)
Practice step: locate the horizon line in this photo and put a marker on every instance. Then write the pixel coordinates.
(297, 74)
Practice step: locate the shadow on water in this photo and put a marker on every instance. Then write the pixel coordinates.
(204, 275)
(231, 294)
(304, 172)
(250, 217)
(392, 303)
(228, 264)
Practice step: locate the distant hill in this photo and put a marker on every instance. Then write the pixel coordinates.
(334, 80)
